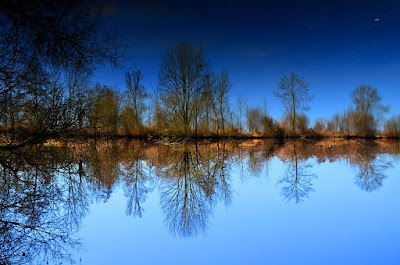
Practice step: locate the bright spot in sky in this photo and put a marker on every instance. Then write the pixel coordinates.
(376, 19)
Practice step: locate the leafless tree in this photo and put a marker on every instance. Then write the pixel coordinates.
(135, 106)
(368, 109)
(241, 105)
(181, 86)
(221, 96)
(294, 94)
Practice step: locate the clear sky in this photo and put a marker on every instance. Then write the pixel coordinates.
(334, 45)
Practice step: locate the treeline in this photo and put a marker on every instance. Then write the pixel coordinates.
(45, 87)
(47, 191)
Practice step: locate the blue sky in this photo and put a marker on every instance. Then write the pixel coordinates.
(334, 45)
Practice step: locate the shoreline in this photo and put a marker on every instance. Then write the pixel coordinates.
(173, 139)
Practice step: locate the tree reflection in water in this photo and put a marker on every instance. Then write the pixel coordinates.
(371, 167)
(137, 180)
(42, 202)
(296, 183)
(194, 182)
(46, 191)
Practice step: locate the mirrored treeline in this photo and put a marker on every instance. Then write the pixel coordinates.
(47, 190)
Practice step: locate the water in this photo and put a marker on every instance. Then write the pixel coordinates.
(252, 202)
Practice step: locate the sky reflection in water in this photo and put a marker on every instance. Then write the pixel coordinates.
(330, 202)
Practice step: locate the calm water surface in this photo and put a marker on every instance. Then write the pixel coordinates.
(253, 202)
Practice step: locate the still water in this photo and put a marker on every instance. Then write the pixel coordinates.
(232, 202)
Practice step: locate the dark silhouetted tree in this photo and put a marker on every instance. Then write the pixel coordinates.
(49, 38)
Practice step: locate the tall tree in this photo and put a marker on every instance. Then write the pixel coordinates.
(294, 94)
(181, 86)
(209, 102)
(135, 106)
(241, 105)
(368, 109)
(221, 96)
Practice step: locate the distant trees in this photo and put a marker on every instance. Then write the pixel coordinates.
(300, 125)
(254, 117)
(342, 123)
(392, 126)
(104, 113)
(363, 117)
(258, 121)
(320, 125)
(294, 94)
(367, 108)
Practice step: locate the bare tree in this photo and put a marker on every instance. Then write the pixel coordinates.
(368, 109)
(241, 105)
(181, 86)
(209, 102)
(135, 106)
(221, 91)
(294, 94)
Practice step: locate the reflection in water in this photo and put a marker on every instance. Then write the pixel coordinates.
(42, 201)
(297, 181)
(372, 174)
(194, 182)
(371, 167)
(46, 191)
(137, 181)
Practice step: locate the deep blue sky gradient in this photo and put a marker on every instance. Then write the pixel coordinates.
(334, 45)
